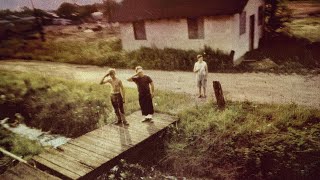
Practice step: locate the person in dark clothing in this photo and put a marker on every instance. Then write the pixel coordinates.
(117, 95)
(146, 92)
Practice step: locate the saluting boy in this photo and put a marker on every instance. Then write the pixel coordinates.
(117, 95)
(146, 92)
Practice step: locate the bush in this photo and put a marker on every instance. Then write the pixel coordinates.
(17, 145)
(67, 107)
(176, 59)
(284, 48)
(246, 141)
(55, 105)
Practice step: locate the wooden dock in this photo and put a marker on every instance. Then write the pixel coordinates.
(89, 154)
(24, 171)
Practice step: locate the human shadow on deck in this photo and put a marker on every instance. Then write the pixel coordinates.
(125, 138)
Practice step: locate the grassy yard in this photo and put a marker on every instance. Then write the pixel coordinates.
(258, 141)
(17, 145)
(246, 141)
(68, 107)
(308, 27)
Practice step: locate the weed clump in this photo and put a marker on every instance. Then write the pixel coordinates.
(246, 141)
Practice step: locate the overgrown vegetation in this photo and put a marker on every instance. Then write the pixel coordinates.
(175, 59)
(17, 145)
(276, 15)
(67, 107)
(109, 53)
(308, 27)
(246, 141)
(296, 53)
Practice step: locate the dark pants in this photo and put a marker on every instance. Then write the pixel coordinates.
(146, 105)
(117, 103)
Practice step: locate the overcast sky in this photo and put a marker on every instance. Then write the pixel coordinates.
(41, 4)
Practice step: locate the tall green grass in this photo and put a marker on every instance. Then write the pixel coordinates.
(68, 107)
(17, 145)
(108, 52)
(246, 141)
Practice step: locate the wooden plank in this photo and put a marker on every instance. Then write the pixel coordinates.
(24, 171)
(10, 174)
(106, 143)
(101, 143)
(57, 168)
(82, 163)
(92, 161)
(115, 142)
(67, 164)
(76, 148)
(29, 172)
(119, 138)
(93, 148)
(141, 131)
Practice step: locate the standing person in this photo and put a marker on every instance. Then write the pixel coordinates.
(146, 92)
(201, 70)
(117, 95)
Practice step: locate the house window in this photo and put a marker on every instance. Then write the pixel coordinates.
(260, 15)
(139, 30)
(195, 28)
(243, 22)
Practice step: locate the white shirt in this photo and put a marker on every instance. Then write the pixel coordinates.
(202, 67)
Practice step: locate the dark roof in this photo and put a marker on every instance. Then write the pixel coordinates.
(135, 10)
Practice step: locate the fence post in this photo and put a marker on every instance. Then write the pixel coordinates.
(219, 95)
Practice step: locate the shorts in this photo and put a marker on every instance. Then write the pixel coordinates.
(202, 81)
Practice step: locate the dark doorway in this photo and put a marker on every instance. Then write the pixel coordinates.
(252, 32)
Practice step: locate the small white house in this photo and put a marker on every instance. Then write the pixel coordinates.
(227, 25)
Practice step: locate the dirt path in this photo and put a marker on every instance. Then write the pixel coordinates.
(257, 87)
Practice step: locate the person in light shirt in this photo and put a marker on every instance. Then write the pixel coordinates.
(201, 70)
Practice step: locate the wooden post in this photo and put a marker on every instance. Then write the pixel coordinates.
(219, 95)
(13, 156)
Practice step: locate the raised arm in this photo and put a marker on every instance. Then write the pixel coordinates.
(102, 80)
(131, 78)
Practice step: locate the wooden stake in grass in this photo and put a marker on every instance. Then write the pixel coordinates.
(219, 95)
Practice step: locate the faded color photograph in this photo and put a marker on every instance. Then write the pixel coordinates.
(160, 89)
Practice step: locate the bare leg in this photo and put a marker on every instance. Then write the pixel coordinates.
(204, 92)
(199, 91)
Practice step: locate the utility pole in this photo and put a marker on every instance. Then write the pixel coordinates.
(39, 24)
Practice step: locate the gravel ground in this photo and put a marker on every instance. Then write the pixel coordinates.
(256, 87)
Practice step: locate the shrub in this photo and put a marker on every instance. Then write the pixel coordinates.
(55, 105)
(67, 107)
(246, 141)
(293, 49)
(176, 59)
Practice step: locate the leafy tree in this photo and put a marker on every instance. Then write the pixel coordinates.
(68, 10)
(87, 10)
(277, 14)
(109, 7)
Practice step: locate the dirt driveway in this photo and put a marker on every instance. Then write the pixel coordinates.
(257, 87)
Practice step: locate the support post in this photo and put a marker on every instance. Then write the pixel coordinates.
(219, 95)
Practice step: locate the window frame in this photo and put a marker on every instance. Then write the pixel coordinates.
(139, 30)
(260, 15)
(195, 28)
(243, 22)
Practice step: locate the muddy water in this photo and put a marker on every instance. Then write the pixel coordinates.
(44, 138)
